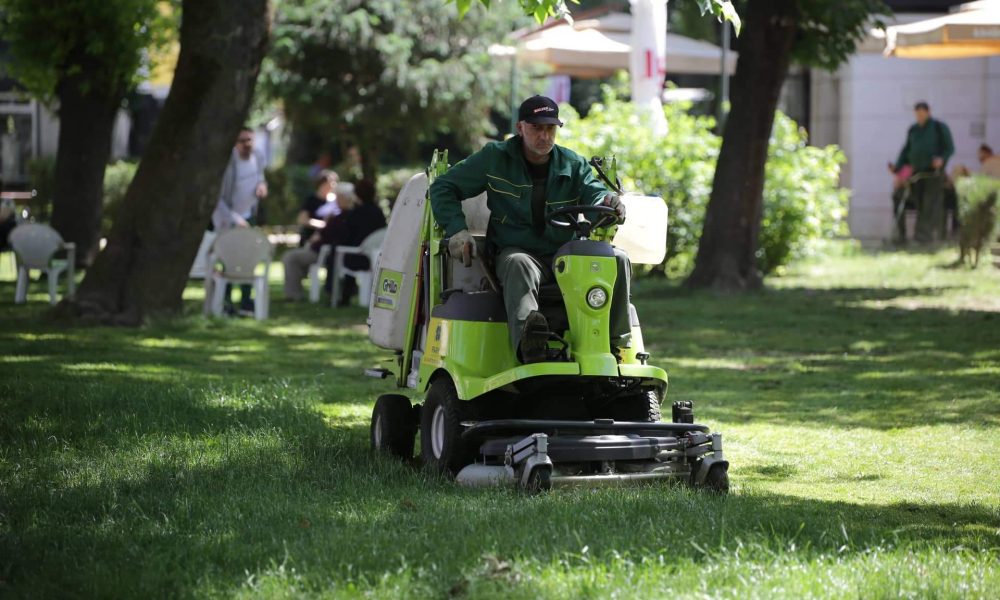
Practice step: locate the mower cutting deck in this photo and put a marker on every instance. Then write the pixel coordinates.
(555, 453)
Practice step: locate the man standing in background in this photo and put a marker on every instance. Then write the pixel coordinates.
(243, 187)
(927, 150)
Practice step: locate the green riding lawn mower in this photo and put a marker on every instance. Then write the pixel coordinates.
(589, 414)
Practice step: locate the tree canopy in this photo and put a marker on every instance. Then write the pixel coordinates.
(829, 30)
(543, 9)
(105, 40)
(82, 57)
(377, 74)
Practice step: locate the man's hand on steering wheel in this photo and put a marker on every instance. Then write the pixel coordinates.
(614, 201)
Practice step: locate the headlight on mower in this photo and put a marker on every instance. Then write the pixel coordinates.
(597, 297)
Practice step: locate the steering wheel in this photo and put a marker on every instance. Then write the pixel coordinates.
(605, 216)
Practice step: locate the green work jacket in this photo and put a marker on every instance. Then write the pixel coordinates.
(499, 170)
(924, 144)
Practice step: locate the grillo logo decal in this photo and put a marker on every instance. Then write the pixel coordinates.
(387, 296)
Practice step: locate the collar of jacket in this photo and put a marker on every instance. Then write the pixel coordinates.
(560, 160)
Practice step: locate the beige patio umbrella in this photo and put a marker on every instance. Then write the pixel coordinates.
(597, 47)
(971, 31)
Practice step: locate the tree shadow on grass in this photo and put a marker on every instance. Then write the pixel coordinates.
(301, 345)
(234, 493)
(827, 357)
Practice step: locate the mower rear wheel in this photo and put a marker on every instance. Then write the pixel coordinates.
(441, 443)
(394, 426)
(643, 407)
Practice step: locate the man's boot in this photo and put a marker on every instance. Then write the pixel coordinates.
(534, 338)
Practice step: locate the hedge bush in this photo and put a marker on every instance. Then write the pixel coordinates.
(389, 183)
(803, 202)
(117, 177)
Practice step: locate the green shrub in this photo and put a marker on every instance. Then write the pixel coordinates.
(389, 183)
(802, 198)
(972, 191)
(117, 177)
(42, 176)
(678, 168)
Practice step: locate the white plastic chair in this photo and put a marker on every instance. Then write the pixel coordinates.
(315, 285)
(34, 246)
(198, 266)
(233, 259)
(370, 247)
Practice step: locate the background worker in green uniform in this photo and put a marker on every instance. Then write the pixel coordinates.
(525, 178)
(927, 150)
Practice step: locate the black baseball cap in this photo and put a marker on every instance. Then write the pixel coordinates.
(539, 110)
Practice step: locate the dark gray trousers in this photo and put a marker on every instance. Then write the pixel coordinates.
(521, 274)
(928, 195)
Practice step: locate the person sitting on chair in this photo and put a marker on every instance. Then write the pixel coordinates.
(363, 220)
(312, 214)
(298, 261)
(525, 178)
(359, 217)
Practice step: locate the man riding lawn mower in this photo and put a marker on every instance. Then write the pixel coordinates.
(503, 288)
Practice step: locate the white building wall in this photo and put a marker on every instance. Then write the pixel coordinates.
(48, 129)
(871, 100)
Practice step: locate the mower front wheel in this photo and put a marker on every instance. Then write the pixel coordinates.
(394, 426)
(441, 443)
(717, 479)
(643, 407)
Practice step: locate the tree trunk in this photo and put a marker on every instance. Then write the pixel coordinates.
(86, 120)
(727, 250)
(144, 269)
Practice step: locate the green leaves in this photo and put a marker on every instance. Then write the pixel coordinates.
(103, 45)
(829, 30)
(973, 190)
(723, 10)
(386, 74)
(803, 201)
(464, 6)
(543, 9)
(539, 9)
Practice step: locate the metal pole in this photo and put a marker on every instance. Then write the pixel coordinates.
(724, 77)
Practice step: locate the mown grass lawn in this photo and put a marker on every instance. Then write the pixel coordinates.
(859, 398)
